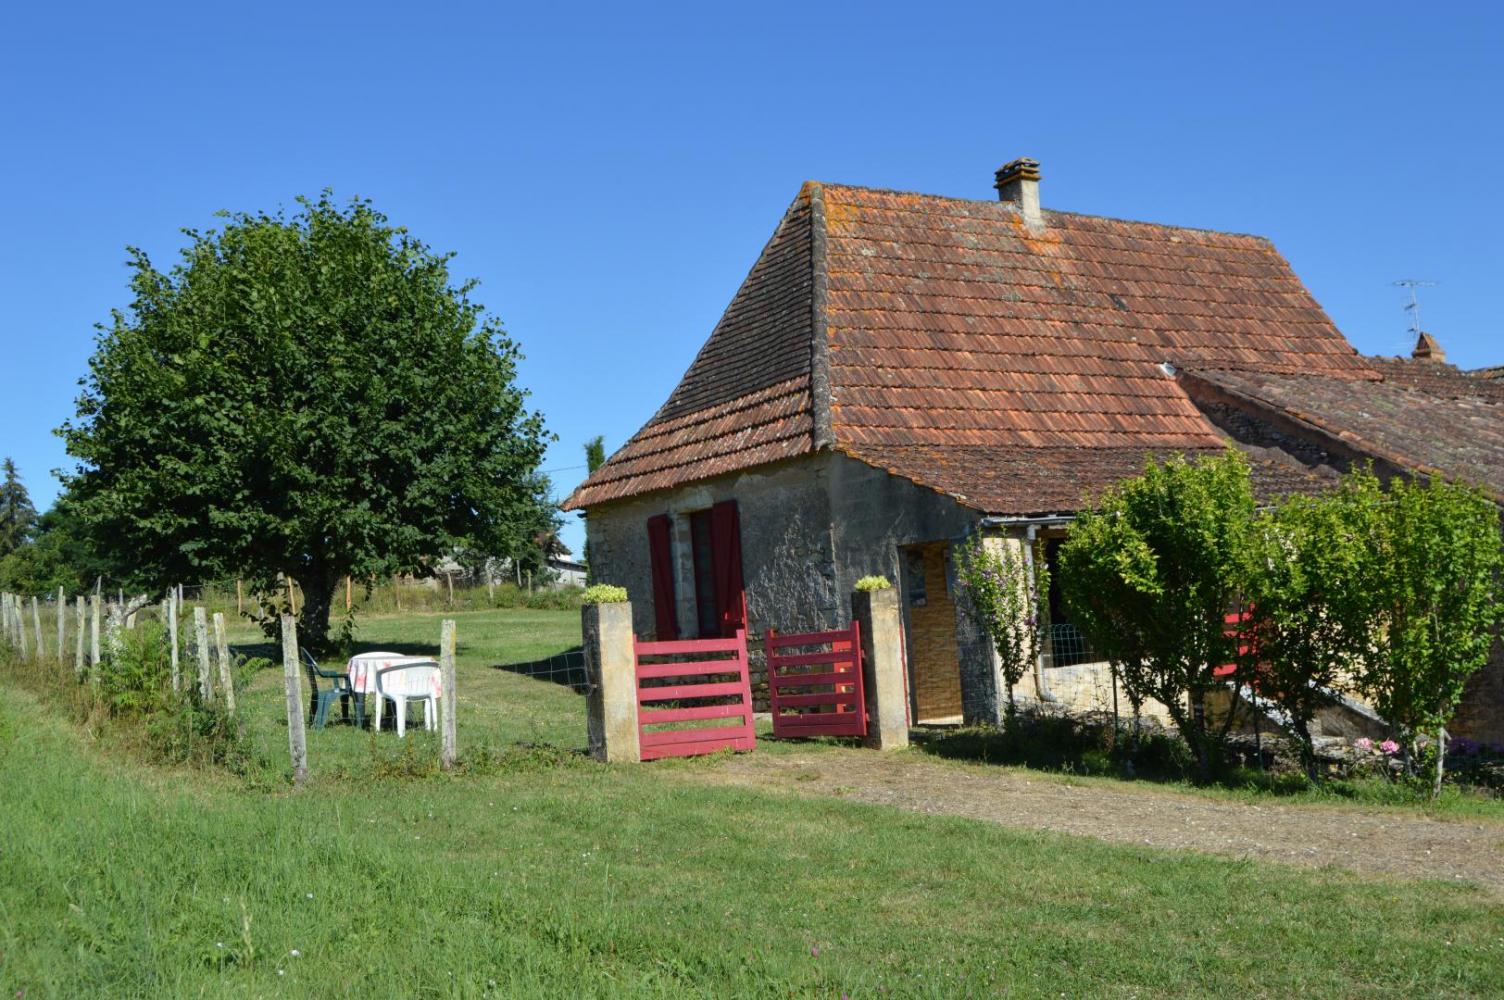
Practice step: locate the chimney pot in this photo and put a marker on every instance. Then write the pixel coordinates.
(1428, 348)
(1018, 181)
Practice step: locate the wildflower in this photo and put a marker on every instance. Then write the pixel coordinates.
(310, 895)
(1390, 747)
(814, 951)
(295, 953)
(1363, 744)
(281, 972)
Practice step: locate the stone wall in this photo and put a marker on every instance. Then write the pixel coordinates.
(1480, 717)
(787, 566)
(810, 528)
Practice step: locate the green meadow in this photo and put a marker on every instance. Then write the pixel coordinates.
(531, 871)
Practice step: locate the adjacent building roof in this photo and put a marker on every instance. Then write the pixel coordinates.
(1016, 367)
(1423, 416)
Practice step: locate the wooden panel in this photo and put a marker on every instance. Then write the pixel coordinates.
(679, 692)
(659, 743)
(689, 668)
(657, 716)
(844, 697)
(932, 630)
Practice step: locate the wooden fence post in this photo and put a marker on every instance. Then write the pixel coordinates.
(172, 640)
(79, 627)
(349, 593)
(94, 636)
(62, 621)
(17, 612)
(239, 597)
(201, 640)
(36, 626)
(297, 737)
(450, 698)
(222, 648)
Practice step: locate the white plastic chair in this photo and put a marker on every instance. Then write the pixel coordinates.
(410, 682)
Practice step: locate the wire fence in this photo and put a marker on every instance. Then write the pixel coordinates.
(1069, 646)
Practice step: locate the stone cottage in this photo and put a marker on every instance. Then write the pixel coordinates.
(899, 371)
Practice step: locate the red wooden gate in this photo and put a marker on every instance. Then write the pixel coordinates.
(707, 684)
(817, 693)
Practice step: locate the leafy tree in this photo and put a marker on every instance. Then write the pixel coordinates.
(307, 395)
(1312, 612)
(1150, 575)
(1004, 583)
(595, 454)
(17, 516)
(1438, 605)
(595, 457)
(59, 555)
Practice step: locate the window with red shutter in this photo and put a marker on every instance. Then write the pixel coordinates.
(661, 559)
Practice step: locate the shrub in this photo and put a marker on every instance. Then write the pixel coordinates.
(1151, 574)
(187, 732)
(868, 584)
(604, 593)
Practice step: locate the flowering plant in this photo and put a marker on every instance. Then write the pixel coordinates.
(1390, 747)
(1003, 583)
(1363, 744)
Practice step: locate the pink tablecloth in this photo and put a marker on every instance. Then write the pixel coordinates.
(362, 668)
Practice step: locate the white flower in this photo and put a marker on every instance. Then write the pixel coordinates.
(310, 895)
(295, 953)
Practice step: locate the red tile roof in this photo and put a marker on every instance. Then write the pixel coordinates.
(943, 339)
(1424, 416)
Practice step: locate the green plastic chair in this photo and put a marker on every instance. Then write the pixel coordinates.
(338, 688)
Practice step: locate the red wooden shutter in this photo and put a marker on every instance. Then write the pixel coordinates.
(726, 546)
(661, 556)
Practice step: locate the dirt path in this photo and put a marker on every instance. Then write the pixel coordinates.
(1380, 841)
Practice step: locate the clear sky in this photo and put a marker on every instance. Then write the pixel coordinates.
(609, 173)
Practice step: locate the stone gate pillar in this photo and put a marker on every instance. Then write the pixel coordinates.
(883, 675)
(610, 682)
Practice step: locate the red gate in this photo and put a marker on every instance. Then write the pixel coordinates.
(817, 693)
(706, 686)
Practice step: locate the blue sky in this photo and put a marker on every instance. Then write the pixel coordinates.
(610, 173)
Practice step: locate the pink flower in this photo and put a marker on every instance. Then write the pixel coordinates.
(1363, 744)
(1389, 747)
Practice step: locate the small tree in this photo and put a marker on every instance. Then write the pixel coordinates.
(1150, 576)
(1438, 597)
(1312, 613)
(17, 516)
(595, 457)
(1004, 582)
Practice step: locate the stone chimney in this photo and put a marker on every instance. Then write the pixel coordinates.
(1428, 348)
(1018, 182)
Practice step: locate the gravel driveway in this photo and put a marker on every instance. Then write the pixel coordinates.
(1383, 841)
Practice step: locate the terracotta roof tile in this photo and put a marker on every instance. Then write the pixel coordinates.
(949, 330)
(1432, 419)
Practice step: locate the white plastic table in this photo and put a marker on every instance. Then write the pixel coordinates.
(362, 668)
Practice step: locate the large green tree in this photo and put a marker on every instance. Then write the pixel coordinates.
(309, 395)
(17, 515)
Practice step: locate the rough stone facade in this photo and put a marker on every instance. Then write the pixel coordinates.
(810, 528)
(1480, 717)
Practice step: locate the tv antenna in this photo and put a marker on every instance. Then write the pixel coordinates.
(1413, 307)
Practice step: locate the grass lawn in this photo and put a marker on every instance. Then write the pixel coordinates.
(557, 877)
